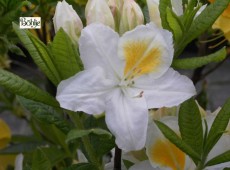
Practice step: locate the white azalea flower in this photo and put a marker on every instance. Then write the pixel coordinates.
(124, 77)
(162, 154)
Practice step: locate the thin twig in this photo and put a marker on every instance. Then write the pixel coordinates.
(117, 159)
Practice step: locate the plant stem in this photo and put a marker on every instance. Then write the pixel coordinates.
(117, 159)
(85, 140)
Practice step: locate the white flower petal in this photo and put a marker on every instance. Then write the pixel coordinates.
(161, 152)
(144, 165)
(19, 162)
(85, 91)
(98, 47)
(177, 7)
(127, 119)
(154, 14)
(146, 49)
(169, 90)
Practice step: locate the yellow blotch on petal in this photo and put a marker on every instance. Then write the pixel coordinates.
(5, 134)
(140, 58)
(166, 154)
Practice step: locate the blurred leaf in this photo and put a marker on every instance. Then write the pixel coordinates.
(164, 4)
(195, 62)
(175, 25)
(82, 166)
(75, 133)
(22, 147)
(52, 133)
(176, 140)
(21, 87)
(218, 127)
(190, 125)
(202, 23)
(39, 52)
(46, 114)
(23, 139)
(54, 154)
(128, 164)
(102, 144)
(222, 158)
(40, 161)
(16, 50)
(65, 56)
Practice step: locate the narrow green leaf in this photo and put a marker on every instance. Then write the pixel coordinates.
(46, 114)
(75, 133)
(39, 52)
(190, 125)
(65, 56)
(175, 25)
(195, 62)
(21, 87)
(218, 127)
(164, 4)
(82, 166)
(202, 23)
(222, 158)
(176, 140)
(24, 147)
(54, 154)
(40, 161)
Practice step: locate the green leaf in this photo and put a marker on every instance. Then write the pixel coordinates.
(22, 147)
(54, 154)
(39, 52)
(195, 62)
(127, 163)
(40, 161)
(202, 23)
(75, 133)
(175, 25)
(164, 4)
(176, 140)
(82, 166)
(46, 114)
(65, 56)
(218, 127)
(21, 87)
(190, 125)
(222, 158)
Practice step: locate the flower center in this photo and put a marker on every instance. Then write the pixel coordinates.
(141, 58)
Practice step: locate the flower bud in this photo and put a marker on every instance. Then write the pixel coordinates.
(131, 17)
(66, 17)
(154, 13)
(99, 11)
(116, 8)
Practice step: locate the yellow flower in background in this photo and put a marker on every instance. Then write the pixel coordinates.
(223, 22)
(5, 136)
